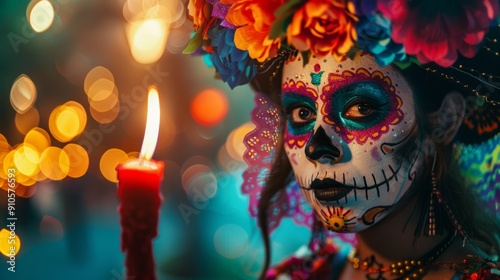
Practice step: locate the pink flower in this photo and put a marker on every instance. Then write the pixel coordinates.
(436, 31)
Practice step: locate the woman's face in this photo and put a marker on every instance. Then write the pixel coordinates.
(350, 138)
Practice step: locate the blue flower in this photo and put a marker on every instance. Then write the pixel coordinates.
(233, 65)
(374, 36)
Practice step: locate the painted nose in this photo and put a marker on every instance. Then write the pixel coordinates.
(320, 146)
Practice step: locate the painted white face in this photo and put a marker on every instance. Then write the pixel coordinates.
(350, 138)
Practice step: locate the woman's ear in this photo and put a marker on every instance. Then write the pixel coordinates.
(447, 120)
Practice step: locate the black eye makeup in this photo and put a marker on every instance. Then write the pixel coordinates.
(300, 111)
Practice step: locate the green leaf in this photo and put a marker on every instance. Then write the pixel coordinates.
(277, 29)
(407, 62)
(288, 8)
(283, 18)
(195, 42)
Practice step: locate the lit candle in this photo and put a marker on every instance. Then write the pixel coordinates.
(140, 197)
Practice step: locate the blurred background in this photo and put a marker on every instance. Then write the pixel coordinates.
(73, 100)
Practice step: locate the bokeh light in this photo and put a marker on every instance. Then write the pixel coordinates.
(234, 144)
(67, 121)
(5, 246)
(109, 161)
(178, 11)
(28, 120)
(40, 15)
(51, 226)
(78, 160)
(102, 93)
(104, 100)
(170, 10)
(8, 162)
(199, 182)
(26, 191)
(23, 94)
(54, 163)
(38, 138)
(96, 74)
(209, 107)
(133, 155)
(179, 38)
(107, 116)
(26, 160)
(231, 241)
(4, 144)
(147, 39)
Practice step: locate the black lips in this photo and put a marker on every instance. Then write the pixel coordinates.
(329, 189)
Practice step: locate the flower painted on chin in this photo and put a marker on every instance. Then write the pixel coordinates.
(324, 27)
(233, 65)
(435, 32)
(253, 20)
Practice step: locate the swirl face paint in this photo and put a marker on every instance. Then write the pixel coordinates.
(350, 138)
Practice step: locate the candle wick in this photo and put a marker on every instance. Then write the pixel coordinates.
(143, 161)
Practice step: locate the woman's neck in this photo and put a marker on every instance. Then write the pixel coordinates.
(393, 239)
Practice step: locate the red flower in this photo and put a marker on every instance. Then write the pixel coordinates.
(324, 27)
(436, 31)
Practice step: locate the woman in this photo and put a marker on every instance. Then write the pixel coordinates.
(364, 104)
(368, 161)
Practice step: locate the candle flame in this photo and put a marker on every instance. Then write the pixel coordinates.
(152, 125)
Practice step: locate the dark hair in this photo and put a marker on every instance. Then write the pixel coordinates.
(429, 91)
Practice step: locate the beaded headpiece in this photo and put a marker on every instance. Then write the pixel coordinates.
(453, 41)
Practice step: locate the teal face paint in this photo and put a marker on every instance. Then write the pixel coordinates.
(360, 105)
(300, 104)
(300, 111)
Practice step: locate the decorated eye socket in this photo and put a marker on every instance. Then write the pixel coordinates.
(359, 110)
(302, 115)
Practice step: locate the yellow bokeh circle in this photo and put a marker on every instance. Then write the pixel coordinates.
(78, 160)
(109, 161)
(54, 163)
(67, 121)
(9, 242)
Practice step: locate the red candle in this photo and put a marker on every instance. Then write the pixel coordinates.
(140, 197)
(139, 193)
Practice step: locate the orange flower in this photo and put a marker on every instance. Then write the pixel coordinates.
(199, 12)
(323, 27)
(254, 19)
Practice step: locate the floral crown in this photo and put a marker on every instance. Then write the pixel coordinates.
(238, 37)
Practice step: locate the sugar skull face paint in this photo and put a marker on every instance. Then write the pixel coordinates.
(349, 137)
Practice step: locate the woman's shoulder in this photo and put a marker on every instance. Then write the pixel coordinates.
(327, 261)
(322, 263)
(481, 274)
